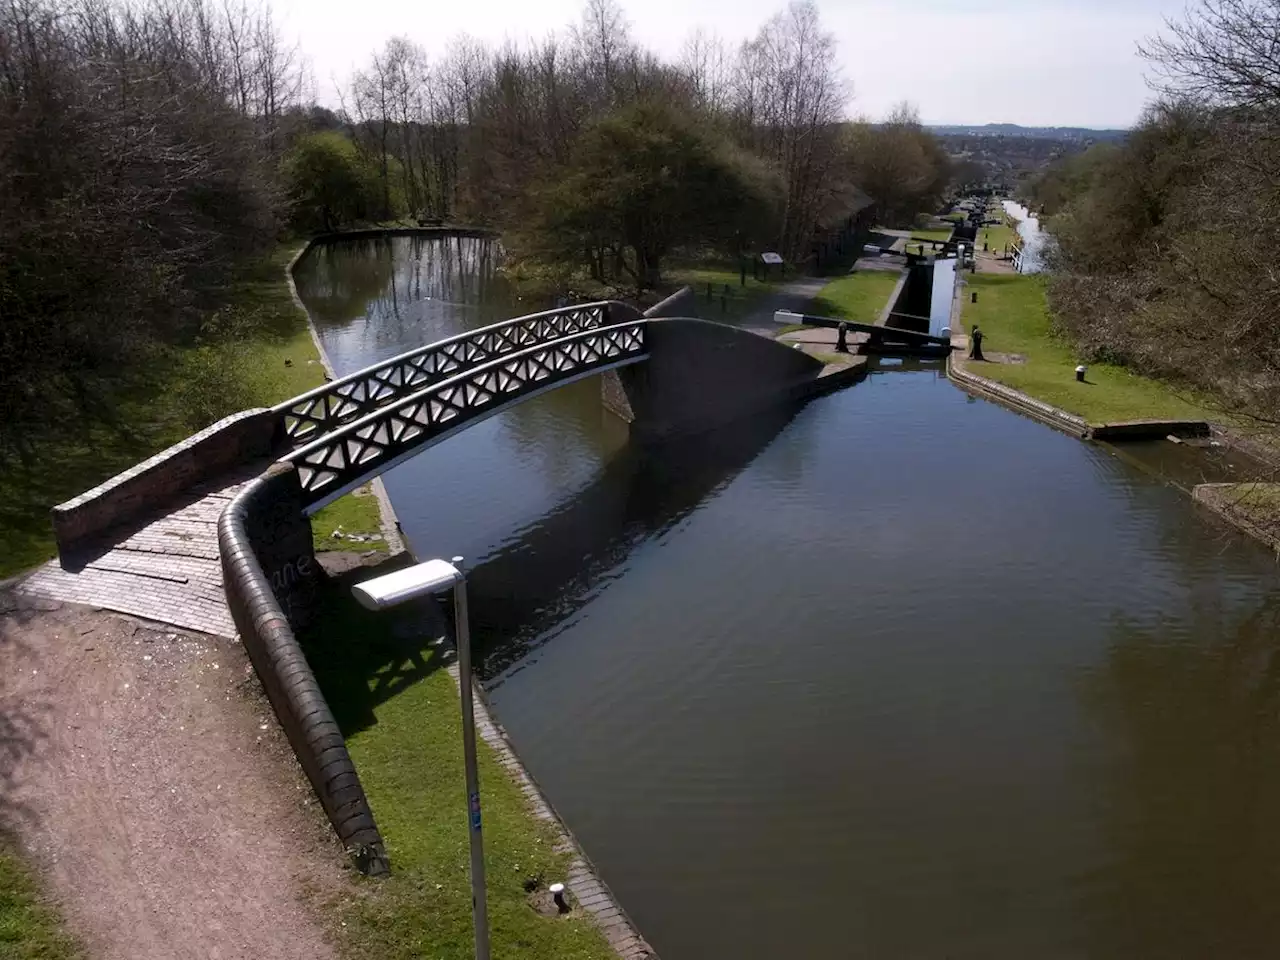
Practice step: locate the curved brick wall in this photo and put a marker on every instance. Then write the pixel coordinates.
(270, 574)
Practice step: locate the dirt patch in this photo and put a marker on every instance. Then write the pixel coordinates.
(145, 777)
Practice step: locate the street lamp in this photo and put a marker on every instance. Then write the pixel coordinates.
(428, 579)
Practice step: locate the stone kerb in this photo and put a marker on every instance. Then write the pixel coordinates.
(1015, 399)
(222, 446)
(270, 574)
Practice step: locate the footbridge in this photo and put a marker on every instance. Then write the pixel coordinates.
(350, 429)
(214, 534)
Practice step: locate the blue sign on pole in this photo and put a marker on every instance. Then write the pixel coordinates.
(474, 803)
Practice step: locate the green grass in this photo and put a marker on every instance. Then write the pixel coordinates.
(157, 412)
(29, 928)
(932, 234)
(997, 237)
(399, 710)
(356, 513)
(739, 301)
(858, 296)
(1014, 316)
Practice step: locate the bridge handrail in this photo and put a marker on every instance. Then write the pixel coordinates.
(360, 445)
(349, 398)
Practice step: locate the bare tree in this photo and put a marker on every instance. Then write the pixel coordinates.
(791, 99)
(1224, 53)
(705, 61)
(604, 40)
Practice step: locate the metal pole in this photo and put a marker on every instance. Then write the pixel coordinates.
(479, 906)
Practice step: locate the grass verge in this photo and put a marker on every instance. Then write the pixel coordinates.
(398, 709)
(858, 296)
(29, 928)
(1014, 316)
(997, 238)
(261, 352)
(739, 300)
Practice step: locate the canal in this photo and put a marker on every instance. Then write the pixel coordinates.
(896, 674)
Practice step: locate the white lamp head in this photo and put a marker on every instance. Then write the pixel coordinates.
(420, 580)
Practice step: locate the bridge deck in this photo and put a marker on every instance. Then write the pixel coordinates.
(164, 568)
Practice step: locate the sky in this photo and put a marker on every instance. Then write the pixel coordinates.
(1032, 62)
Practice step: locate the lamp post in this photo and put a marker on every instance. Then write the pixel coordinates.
(428, 579)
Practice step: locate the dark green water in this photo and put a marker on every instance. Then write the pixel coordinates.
(897, 674)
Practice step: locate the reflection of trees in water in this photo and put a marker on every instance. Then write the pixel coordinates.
(1190, 807)
(338, 280)
(378, 278)
(528, 590)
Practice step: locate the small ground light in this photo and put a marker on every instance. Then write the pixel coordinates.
(557, 894)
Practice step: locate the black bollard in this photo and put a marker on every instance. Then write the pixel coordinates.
(708, 289)
(557, 896)
(974, 296)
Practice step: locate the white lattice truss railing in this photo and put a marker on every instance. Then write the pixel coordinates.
(341, 460)
(343, 401)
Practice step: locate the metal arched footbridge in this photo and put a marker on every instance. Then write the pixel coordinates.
(355, 427)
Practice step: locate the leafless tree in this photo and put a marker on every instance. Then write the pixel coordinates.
(1222, 53)
(705, 61)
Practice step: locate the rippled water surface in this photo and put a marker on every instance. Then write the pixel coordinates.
(898, 674)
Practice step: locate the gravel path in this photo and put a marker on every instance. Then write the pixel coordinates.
(145, 778)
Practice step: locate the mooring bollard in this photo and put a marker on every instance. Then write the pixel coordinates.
(974, 295)
(1080, 372)
(557, 894)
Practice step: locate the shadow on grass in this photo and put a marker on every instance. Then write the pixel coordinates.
(361, 658)
(523, 594)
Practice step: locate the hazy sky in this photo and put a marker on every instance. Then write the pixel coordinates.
(1034, 62)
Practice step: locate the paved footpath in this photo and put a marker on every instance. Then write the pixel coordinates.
(163, 568)
(794, 296)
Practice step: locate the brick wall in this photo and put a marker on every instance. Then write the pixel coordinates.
(702, 374)
(231, 442)
(270, 574)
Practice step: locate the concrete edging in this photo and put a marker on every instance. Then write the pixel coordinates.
(1016, 400)
(591, 893)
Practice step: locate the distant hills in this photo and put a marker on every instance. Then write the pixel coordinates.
(1067, 134)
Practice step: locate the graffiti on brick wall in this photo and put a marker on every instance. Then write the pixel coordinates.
(282, 541)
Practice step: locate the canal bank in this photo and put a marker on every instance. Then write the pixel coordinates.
(509, 792)
(1030, 370)
(717, 687)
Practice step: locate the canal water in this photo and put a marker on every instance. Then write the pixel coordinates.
(896, 674)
